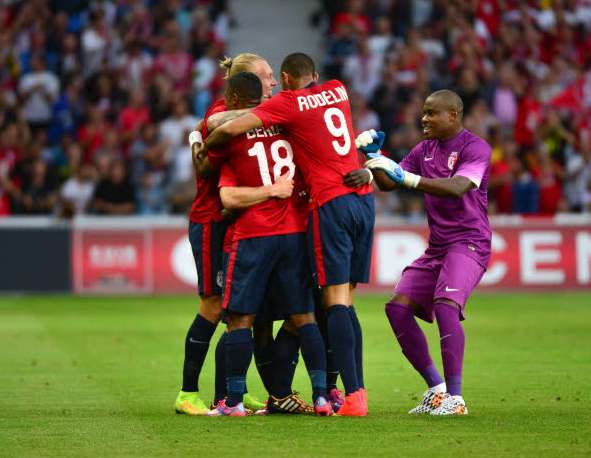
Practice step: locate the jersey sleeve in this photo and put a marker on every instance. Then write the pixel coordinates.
(411, 162)
(473, 162)
(227, 177)
(278, 110)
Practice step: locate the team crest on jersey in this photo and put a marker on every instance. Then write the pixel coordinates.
(452, 160)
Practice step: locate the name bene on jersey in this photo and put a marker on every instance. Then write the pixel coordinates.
(263, 132)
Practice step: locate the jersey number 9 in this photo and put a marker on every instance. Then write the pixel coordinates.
(338, 131)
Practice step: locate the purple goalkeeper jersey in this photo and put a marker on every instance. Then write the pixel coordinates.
(462, 224)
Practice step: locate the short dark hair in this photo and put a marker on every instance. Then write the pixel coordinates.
(298, 65)
(450, 99)
(246, 85)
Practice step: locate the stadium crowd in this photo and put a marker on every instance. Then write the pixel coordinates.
(522, 68)
(97, 97)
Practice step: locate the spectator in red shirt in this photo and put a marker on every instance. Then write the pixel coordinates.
(353, 16)
(91, 134)
(174, 61)
(135, 115)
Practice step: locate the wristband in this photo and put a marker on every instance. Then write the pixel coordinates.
(195, 137)
(411, 180)
(370, 175)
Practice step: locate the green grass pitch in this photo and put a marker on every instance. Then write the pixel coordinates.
(97, 377)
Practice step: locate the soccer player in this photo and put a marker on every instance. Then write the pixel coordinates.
(269, 248)
(452, 168)
(317, 121)
(206, 234)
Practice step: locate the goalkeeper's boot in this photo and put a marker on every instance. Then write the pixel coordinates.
(322, 407)
(252, 403)
(354, 406)
(223, 410)
(432, 399)
(336, 399)
(190, 403)
(292, 403)
(451, 405)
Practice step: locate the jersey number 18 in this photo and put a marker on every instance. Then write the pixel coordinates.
(280, 162)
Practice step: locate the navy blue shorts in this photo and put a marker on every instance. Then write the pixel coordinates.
(272, 269)
(340, 235)
(206, 243)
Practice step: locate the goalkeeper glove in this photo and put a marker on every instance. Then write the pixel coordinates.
(370, 141)
(396, 173)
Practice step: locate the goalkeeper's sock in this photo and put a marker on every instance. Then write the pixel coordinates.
(285, 360)
(196, 346)
(452, 340)
(413, 342)
(358, 345)
(342, 342)
(314, 355)
(239, 349)
(220, 369)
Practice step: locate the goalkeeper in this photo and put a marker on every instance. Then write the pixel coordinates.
(451, 166)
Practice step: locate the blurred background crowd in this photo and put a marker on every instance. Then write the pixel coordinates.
(97, 97)
(522, 68)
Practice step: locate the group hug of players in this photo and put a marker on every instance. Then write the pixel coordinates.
(281, 229)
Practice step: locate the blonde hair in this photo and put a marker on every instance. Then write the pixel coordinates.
(243, 62)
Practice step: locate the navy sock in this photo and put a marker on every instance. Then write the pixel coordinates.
(220, 369)
(196, 345)
(239, 349)
(314, 355)
(358, 345)
(263, 356)
(332, 373)
(342, 342)
(285, 360)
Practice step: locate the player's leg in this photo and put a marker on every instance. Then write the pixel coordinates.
(205, 242)
(330, 247)
(314, 355)
(282, 398)
(263, 357)
(220, 370)
(413, 296)
(364, 219)
(292, 276)
(459, 275)
(285, 357)
(247, 272)
(335, 396)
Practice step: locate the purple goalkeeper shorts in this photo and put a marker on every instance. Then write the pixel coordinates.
(437, 275)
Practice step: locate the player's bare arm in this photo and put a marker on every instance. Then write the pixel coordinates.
(240, 197)
(201, 164)
(229, 130)
(393, 175)
(216, 120)
(455, 186)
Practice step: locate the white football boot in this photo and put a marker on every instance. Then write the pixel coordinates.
(451, 405)
(432, 399)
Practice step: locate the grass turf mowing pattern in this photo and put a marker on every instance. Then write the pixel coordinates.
(83, 376)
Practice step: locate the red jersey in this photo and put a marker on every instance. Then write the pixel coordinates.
(258, 158)
(207, 205)
(317, 122)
